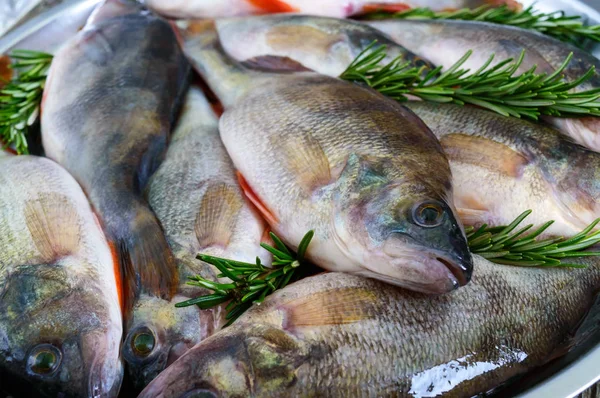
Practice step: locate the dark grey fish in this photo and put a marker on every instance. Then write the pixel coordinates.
(107, 113)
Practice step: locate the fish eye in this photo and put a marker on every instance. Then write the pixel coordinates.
(143, 342)
(199, 393)
(44, 359)
(428, 214)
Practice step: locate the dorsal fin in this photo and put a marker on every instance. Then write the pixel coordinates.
(334, 307)
(273, 63)
(218, 214)
(54, 225)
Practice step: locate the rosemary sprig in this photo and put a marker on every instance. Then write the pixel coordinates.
(570, 29)
(250, 283)
(496, 88)
(504, 245)
(20, 99)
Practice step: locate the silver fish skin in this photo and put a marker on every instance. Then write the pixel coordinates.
(339, 335)
(60, 312)
(502, 166)
(325, 45)
(196, 197)
(330, 8)
(364, 173)
(110, 100)
(444, 42)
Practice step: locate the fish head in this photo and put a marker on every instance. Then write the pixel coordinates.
(243, 360)
(159, 333)
(404, 232)
(58, 336)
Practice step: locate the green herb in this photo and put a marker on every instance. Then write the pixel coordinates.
(250, 283)
(20, 99)
(504, 245)
(496, 88)
(570, 29)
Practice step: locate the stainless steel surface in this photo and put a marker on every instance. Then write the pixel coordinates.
(65, 19)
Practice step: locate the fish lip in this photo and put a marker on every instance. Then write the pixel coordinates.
(461, 275)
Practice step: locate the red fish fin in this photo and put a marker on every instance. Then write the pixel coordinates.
(512, 4)
(118, 277)
(255, 200)
(273, 6)
(274, 63)
(146, 260)
(335, 307)
(306, 159)
(54, 226)
(373, 7)
(472, 217)
(485, 153)
(218, 214)
(6, 72)
(266, 237)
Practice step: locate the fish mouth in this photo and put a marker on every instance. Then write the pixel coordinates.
(461, 274)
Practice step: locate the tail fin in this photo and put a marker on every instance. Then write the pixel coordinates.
(146, 259)
(226, 77)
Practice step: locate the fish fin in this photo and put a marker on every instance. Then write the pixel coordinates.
(266, 237)
(275, 63)
(374, 7)
(335, 307)
(256, 201)
(118, 276)
(6, 72)
(54, 226)
(472, 217)
(484, 153)
(273, 6)
(306, 159)
(146, 260)
(217, 215)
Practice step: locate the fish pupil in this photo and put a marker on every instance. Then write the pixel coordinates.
(143, 343)
(44, 362)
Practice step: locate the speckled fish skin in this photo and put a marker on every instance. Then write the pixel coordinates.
(318, 153)
(444, 42)
(109, 104)
(339, 335)
(330, 8)
(501, 166)
(324, 45)
(58, 286)
(196, 197)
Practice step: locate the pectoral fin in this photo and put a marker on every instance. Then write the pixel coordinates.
(484, 153)
(217, 215)
(275, 63)
(306, 160)
(54, 226)
(335, 307)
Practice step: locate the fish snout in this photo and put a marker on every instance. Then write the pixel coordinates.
(103, 365)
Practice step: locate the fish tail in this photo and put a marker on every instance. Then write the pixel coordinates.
(147, 263)
(227, 78)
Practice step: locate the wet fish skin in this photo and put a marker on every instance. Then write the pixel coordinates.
(325, 45)
(340, 335)
(58, 286)
(502, 166)
(331, 8)
(111, 97)
(350, 164)
(444, 42)
(196, 197)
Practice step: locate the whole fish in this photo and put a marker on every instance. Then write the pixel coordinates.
(339, 335)
(196, 197)
(502, 166)
(325, 45)
(60, 315)
(318, 153)
(330, 8)
(108, 108)
(444, 42)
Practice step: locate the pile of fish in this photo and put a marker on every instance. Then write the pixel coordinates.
(142, 172)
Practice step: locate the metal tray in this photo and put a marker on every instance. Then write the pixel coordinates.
(566, 377)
